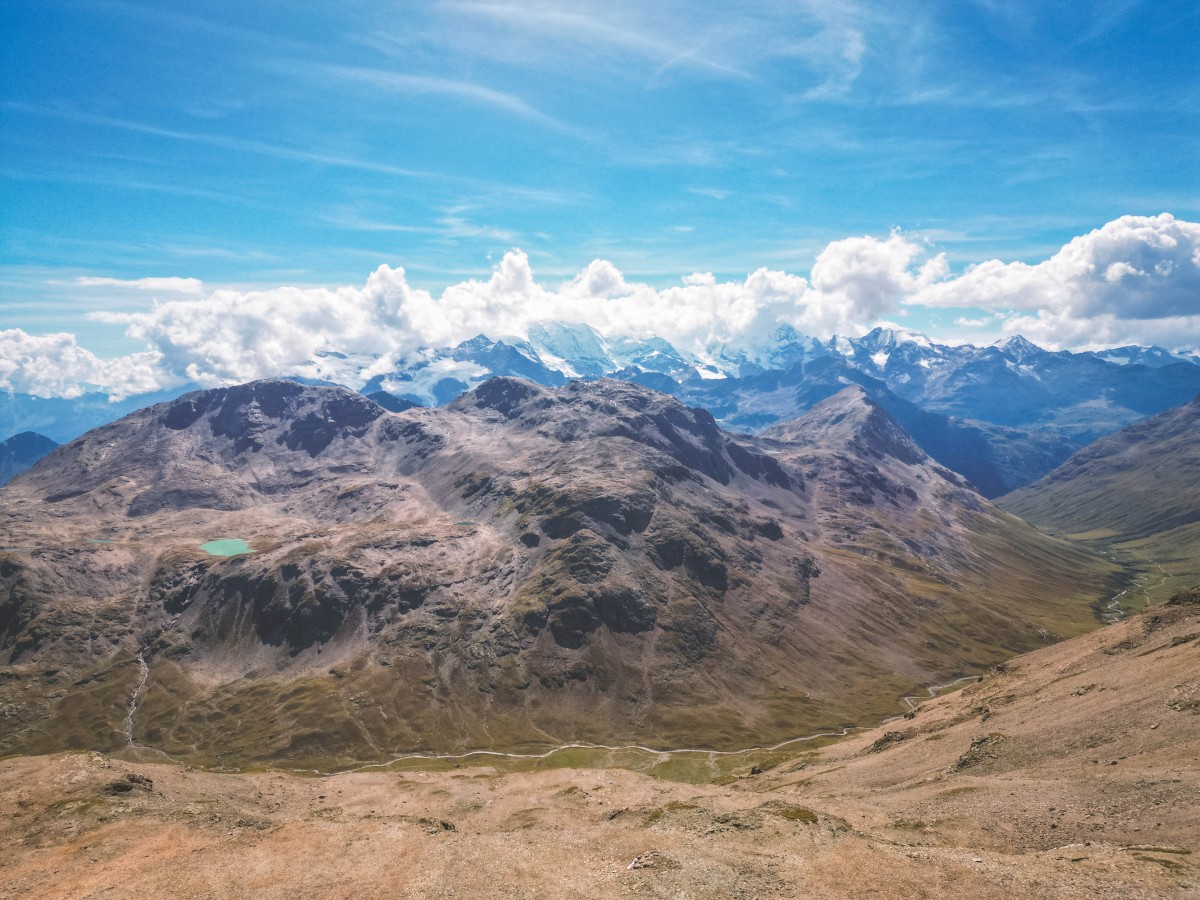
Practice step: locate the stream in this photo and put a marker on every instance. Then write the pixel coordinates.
(137, 696)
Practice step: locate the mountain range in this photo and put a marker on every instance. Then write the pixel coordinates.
(1011, 383)
(63, 419)
(542, 619)
(1001, 415)
(525, 566)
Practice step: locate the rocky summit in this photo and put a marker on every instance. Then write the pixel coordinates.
(282, 572)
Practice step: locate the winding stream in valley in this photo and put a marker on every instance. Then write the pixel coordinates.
(136, 698)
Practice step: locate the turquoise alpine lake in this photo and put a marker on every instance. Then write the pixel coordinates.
(226, 547)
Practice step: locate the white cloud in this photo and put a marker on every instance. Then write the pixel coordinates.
(401, 83)
(858, 280)
(54, 365)
(235, 336)
(1064, 331)
(168, 285)
(232, 336)
(600, 279)
(1134, 280)
(824, 41)
(714, 193)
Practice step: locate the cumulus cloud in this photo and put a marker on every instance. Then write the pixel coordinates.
(858, 280)
(54, 365)
(231, 336)
(1134, 280)
(234, 336)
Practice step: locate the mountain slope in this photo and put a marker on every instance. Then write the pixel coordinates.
(1137, 490)
(1069, 772)
(523, 567)
(63, 419)
(851, 420)
(21, 451)
(1139, 481)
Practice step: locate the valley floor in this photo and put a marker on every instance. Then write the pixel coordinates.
(1073, 771)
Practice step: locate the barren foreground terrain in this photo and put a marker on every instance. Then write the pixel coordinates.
(1071, 772)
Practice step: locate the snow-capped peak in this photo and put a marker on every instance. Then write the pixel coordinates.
(1018, 347)
(575, 345)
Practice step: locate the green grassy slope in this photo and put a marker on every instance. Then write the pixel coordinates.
(1135, 495)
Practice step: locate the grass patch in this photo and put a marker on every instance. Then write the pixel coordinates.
(681, 769)
(801, 814)
(1169, 864)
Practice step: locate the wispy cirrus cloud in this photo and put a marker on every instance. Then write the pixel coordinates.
(828, 38)
(715, 193)
(514, 192)
(411, 84)
(224, 142)
(643, 32)
(450, 223)
(126, 183)
(168, 285)
(351, 220)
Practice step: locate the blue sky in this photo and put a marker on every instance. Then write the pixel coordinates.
(254, 145)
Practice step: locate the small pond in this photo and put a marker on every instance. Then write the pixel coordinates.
(226, 547)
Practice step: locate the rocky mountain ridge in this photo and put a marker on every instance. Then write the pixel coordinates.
(1019, 409)
(1010, 383)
